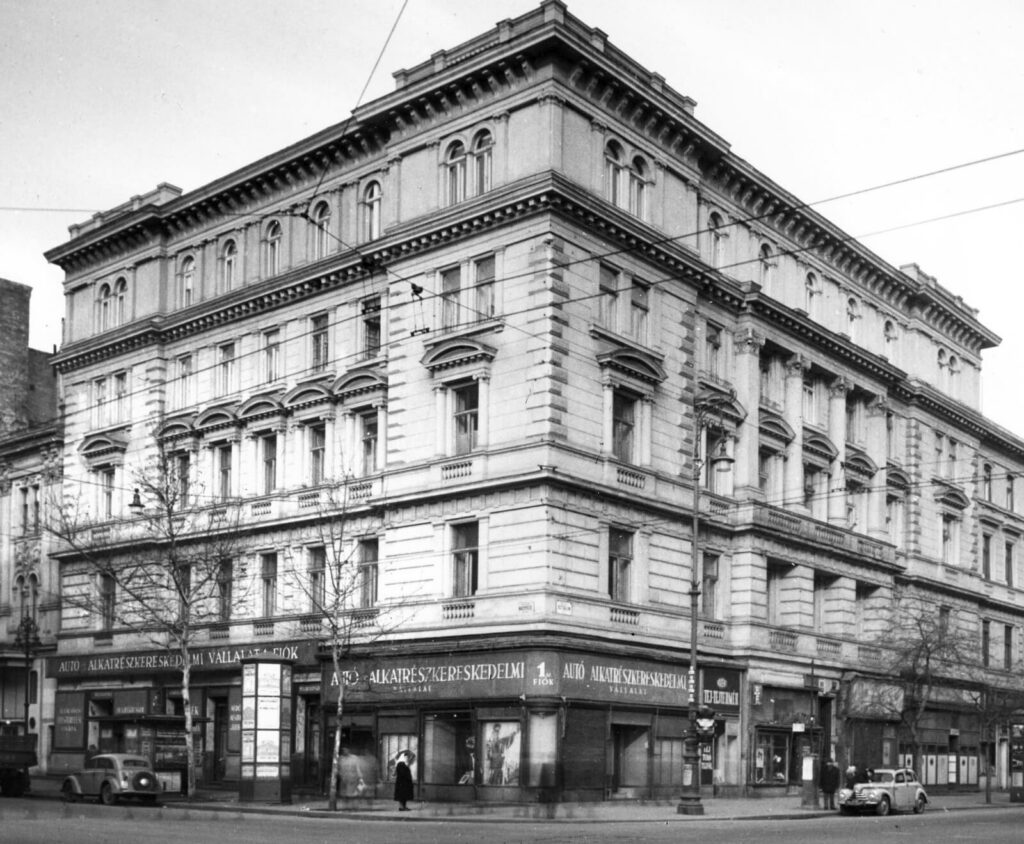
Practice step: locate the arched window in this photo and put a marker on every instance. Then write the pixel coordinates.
(852, 317)
(455, 173)
(103, 308)
(371, 211)
(228, 260)
(766, 267)
(811, 291)
(952, 370)
(716, 240)
(613, 169)
(638, 187)
(272, 246)
(120, 301)
(483, 146)
(321, 230)
(188, 282)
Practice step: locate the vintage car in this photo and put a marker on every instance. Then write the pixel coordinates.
(890, 789)
(111, 776)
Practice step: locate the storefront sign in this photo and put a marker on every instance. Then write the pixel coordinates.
(510, 674)
(69, 732)
(131, 701)
(146, 663)
(720, 690)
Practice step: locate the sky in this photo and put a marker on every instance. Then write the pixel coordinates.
(101, 100)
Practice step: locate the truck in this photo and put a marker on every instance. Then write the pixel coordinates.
(17, 755)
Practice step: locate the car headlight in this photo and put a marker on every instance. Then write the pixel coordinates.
(871, 794)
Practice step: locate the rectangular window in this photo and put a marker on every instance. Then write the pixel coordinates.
(368, 569)
(1010, 502)
(1008, 563)
(986, 641)
(620, 560)
(448, 749)
(502, 746)
(951, 458)
(224, 589)
(894, 507)
(268, 447)
(317, 451)
(811, 405)
(320, 352)
(268, 575)
(120, 397)
(317, 579)
(773, 594)
(624, 406)
(99, 401)
(466, 417)
(709, 586)
(108, 601)
(223, 454)
(271, 355)
(26, 517)
(638, 309)
(950, 540)
(607, 302)
(451, 286)
(182, 477)
(107, 493)
(944, 616)
(986, 556)
(225, 368)
(1007, 647)
(371, 327)
(483, 279)
(369, 442)
(184, 381)
(713, 358)
(465, 559)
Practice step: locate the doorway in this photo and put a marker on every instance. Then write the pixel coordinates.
(630, 764)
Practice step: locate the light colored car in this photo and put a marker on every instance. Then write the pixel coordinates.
(111, 776)
(890, 789)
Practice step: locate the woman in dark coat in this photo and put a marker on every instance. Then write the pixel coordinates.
(403, 779)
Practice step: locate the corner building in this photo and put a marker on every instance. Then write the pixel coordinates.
(486, 306)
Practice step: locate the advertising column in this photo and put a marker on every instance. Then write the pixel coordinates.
(266, 730)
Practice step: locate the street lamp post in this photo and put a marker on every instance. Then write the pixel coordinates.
(27, 639)
(704, 405)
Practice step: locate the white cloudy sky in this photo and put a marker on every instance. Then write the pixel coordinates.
(103, 99)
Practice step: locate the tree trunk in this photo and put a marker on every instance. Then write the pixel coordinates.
(332, 788)
(190, 753)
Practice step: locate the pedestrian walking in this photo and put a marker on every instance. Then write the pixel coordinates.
(403, 779)
(829, 782)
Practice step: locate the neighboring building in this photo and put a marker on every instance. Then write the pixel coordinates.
(30, 465)
(486, 304)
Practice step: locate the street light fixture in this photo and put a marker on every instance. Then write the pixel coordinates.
(706, 404)
(27, 640)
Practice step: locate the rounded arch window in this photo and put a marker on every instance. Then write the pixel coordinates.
(483, 146)
(120, 301)
(716, 239)
(613, 157)
(455, 167)
(273, 248)
(372, 196)
(321, 230)
(766, 265)
(188, 281)
(228, 262)
(638, 178)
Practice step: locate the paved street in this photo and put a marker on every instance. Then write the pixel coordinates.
(28, 821)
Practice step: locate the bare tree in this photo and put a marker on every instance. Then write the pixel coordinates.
(164, 573)
(340, 587)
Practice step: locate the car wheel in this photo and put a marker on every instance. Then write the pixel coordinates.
(67, 793)
(919, 805)
(107, 796)
(883, 806)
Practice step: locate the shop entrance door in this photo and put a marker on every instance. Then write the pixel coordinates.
(220, 738)
(630, 763)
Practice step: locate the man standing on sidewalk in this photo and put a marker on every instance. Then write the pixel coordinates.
(829, 782)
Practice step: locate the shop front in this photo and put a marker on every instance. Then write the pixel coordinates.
(132, 703)
(515, 725)
(786, 728)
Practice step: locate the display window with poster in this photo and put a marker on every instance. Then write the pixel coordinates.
(500, 743)
(449, 749)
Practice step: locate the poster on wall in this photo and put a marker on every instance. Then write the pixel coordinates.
(69, 731)
(268, 679)
(268, 713)
(248, 679)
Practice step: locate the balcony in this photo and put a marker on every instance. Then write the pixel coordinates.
(795, 526)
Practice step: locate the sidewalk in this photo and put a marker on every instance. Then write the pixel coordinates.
(633, 811)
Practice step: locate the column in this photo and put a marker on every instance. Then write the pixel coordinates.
(837, 433)
(794, 415)
(878, 452)
(747, 379)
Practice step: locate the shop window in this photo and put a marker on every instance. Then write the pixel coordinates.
(449, 749)
(542, 749)
(393, 744)
(771, 759)
(501, 744)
